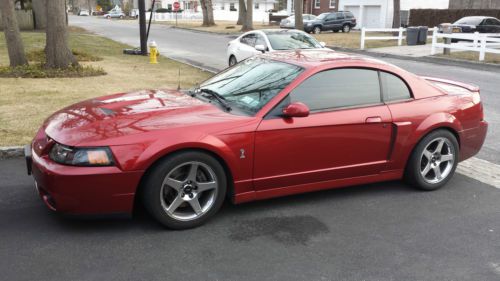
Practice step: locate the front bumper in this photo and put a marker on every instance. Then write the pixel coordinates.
(82, 190)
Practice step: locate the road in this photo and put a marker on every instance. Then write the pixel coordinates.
(385, 231)
(209, 51)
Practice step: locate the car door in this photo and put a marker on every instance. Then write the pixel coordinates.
(347, 133)
(246, 48)
(330, 21)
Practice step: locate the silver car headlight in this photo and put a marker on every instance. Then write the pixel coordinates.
(92, 156)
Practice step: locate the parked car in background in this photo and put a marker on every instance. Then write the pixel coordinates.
(336, 21)
(473, 24)
(277, 124)
(114, 14)
(84, 12)
(134, 13)
(269, 40)
(290, 21)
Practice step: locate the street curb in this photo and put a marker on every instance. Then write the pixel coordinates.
(10, 152)
(427, 59)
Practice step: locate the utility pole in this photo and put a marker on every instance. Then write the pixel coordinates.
(142, 27)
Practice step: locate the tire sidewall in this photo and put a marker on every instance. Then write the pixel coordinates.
(152, 188)
(413, 175)
(348, 28)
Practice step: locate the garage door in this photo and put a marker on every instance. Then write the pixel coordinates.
(355, 11)
(371, 16)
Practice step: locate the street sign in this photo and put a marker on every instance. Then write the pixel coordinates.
(176, 6)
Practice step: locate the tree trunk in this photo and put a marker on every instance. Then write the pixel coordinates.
(12, 35)
(248, 22)
(298, 7)
(242, 12)
(396, 18)
(58, 53)
(210, 13)
(40, 13)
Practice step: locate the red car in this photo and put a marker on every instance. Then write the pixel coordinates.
(273, 125)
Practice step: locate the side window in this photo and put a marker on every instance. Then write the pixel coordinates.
(340, 16)
(393, 87)
(248, 39)
(339, 88)
(349, 15)
(331, 17)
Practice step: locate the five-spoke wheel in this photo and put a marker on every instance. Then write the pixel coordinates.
(433, 160)
(185, 189)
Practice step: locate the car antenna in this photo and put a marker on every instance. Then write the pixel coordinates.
(179, 80)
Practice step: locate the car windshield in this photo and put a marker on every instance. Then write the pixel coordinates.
(322, 16)
(286, 40)
(252, 83)
(469, 20)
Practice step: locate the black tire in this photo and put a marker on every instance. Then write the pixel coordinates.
(415, 166)
(346, 28)
(317, 29)
(152, 188)
(232, 60)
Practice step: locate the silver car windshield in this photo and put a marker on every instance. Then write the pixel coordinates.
(251, 84)
(285, 40)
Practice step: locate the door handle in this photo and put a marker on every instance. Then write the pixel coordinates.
(373, 119)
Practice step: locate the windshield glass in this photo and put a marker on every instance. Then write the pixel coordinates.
(322, 16)
(286, 40)
(252, 83)
(469, 20)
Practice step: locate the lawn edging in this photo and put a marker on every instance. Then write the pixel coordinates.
(428, 59)
(10, 152)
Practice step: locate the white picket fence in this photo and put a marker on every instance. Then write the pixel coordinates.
(476, 42)
(401, 35)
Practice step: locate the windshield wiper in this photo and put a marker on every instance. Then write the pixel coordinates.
(215, 96)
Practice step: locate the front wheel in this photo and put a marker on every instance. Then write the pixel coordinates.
(232, 61)
(317, 30)
(185, 189)
(433, 161)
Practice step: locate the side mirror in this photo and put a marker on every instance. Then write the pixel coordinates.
(296, 109)
(260, 48)
(323, 44)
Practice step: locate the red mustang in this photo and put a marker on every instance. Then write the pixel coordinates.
(273, 125)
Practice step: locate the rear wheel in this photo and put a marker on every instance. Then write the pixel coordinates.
(185, 189)
(346, 28)
(317, 30)
(433, 161)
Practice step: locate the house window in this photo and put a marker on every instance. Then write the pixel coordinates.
(317, 4)
(333, 3)
(256, 6)
(231, 7)
(222, 5)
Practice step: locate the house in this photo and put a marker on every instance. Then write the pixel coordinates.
(379, 13)
(228, 10)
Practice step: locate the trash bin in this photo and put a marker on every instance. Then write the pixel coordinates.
(412, 35)
(422, 35)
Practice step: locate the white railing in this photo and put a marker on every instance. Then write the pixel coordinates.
(476, 42)
(399, 38)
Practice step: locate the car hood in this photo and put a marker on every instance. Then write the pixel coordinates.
(121, 115)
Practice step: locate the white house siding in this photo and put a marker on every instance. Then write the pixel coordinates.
(222, 10)
(370, 13)
(424, 4)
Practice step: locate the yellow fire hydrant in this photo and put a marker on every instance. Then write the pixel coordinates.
(153, 52)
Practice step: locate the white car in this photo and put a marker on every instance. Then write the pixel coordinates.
(84, 13)
(269, 40)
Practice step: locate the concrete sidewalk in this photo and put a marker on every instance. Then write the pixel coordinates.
(409, 51)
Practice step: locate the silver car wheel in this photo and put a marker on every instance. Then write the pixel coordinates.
(437, 160)
(317, 30)
(189, 191)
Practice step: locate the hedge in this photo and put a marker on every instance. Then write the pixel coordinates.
(434, 17)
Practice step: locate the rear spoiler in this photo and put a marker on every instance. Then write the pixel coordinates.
(472, 88)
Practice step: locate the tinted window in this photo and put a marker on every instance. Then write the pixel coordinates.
(349, 15)
(340, 16)
(339, 88)
(322, 16)
(331, 17)
(491, 22)
(393, 87)
(250, 85)
(286, 40)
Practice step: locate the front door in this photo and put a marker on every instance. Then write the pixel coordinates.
(347, 134)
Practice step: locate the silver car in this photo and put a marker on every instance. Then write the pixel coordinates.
(114, 15)
(290, 21)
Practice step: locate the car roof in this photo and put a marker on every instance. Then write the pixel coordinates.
(318, 57)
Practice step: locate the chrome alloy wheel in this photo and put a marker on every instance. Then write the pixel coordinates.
(189, 191)
(437, 160)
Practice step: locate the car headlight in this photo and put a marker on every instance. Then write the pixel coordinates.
(92, 156)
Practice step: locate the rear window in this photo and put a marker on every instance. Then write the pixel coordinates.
(349, 15)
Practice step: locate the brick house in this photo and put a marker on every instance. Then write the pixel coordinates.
(317, 7)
